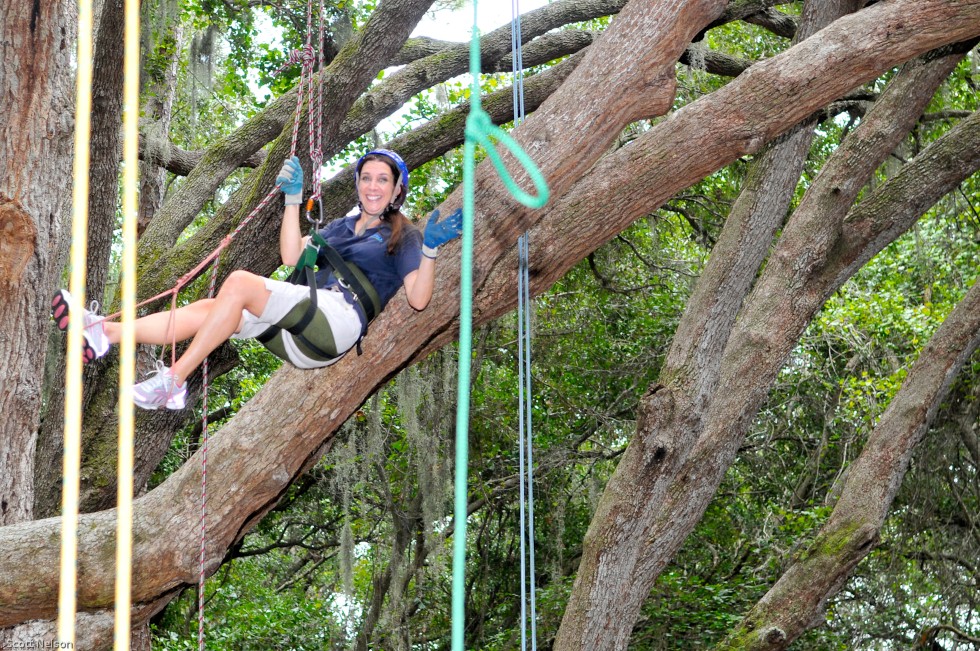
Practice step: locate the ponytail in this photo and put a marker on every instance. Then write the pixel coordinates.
(399, 223)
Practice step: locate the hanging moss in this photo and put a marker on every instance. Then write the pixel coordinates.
(344, 457)
(201, 68)
(347, 554)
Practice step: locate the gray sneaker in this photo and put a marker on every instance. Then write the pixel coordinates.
(95, 342)
(160, 390)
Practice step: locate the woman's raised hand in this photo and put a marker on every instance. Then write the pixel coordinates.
(290, 181)
(438, 232)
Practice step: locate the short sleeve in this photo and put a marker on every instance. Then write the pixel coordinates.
(409, 253)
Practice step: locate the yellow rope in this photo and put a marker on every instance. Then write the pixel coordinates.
(67, 603)
(127, 345)
(73, 381)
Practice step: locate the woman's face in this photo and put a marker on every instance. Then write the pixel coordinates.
(375, 187)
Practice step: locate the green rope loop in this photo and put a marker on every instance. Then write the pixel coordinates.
(479, 129)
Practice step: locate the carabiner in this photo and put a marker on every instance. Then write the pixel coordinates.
(318, 222)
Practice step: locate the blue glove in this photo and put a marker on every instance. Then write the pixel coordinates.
(438, 232)
(290, 181)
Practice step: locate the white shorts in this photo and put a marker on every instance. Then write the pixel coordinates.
(341, 315)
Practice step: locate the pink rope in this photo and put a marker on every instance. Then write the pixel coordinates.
(204, 484)
(304, 56)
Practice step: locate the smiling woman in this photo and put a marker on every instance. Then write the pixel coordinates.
(363, 261)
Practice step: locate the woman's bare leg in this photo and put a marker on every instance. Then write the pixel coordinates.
(242, 291)
(164, 328)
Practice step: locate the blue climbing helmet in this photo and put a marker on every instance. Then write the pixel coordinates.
(399, 163)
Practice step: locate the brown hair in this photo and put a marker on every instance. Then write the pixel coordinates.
(399, 223)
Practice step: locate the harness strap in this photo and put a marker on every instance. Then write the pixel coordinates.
(352, 279)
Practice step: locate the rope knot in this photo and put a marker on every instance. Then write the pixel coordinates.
(304, 55)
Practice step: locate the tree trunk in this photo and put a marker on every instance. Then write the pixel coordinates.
(159, 110)
(35, 164)
(704, 402)
(105, 150)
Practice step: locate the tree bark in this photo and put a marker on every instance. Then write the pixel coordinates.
(161, 85)
(35, 163)
(105, 146)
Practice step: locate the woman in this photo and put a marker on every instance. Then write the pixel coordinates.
(379, 240)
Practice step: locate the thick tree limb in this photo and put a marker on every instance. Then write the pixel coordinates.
(795, 601)
(717, 63)
(775, 21)
(35, 168)
(419, 48)
(105, 146)
(182, 162)
(542, 49)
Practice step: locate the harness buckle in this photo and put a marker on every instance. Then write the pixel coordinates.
(343, 283)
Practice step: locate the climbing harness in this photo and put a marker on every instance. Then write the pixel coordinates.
(479, 129)
(305, 323)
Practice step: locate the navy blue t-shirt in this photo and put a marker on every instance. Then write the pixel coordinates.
(370, 253)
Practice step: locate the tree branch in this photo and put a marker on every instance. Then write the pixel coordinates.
(181, 162)
(775, 21)
(873, 479)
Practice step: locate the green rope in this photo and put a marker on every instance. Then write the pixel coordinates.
(479, 129)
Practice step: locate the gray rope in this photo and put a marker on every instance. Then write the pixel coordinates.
(526, 483)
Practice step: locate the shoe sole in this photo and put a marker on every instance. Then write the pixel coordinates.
(170, 404)
(59, 311)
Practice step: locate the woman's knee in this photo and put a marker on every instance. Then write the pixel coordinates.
(246, 289)
(242, 283)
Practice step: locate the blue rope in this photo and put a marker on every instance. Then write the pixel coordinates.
(526, 482)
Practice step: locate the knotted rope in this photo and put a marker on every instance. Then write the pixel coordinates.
(479, 130)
